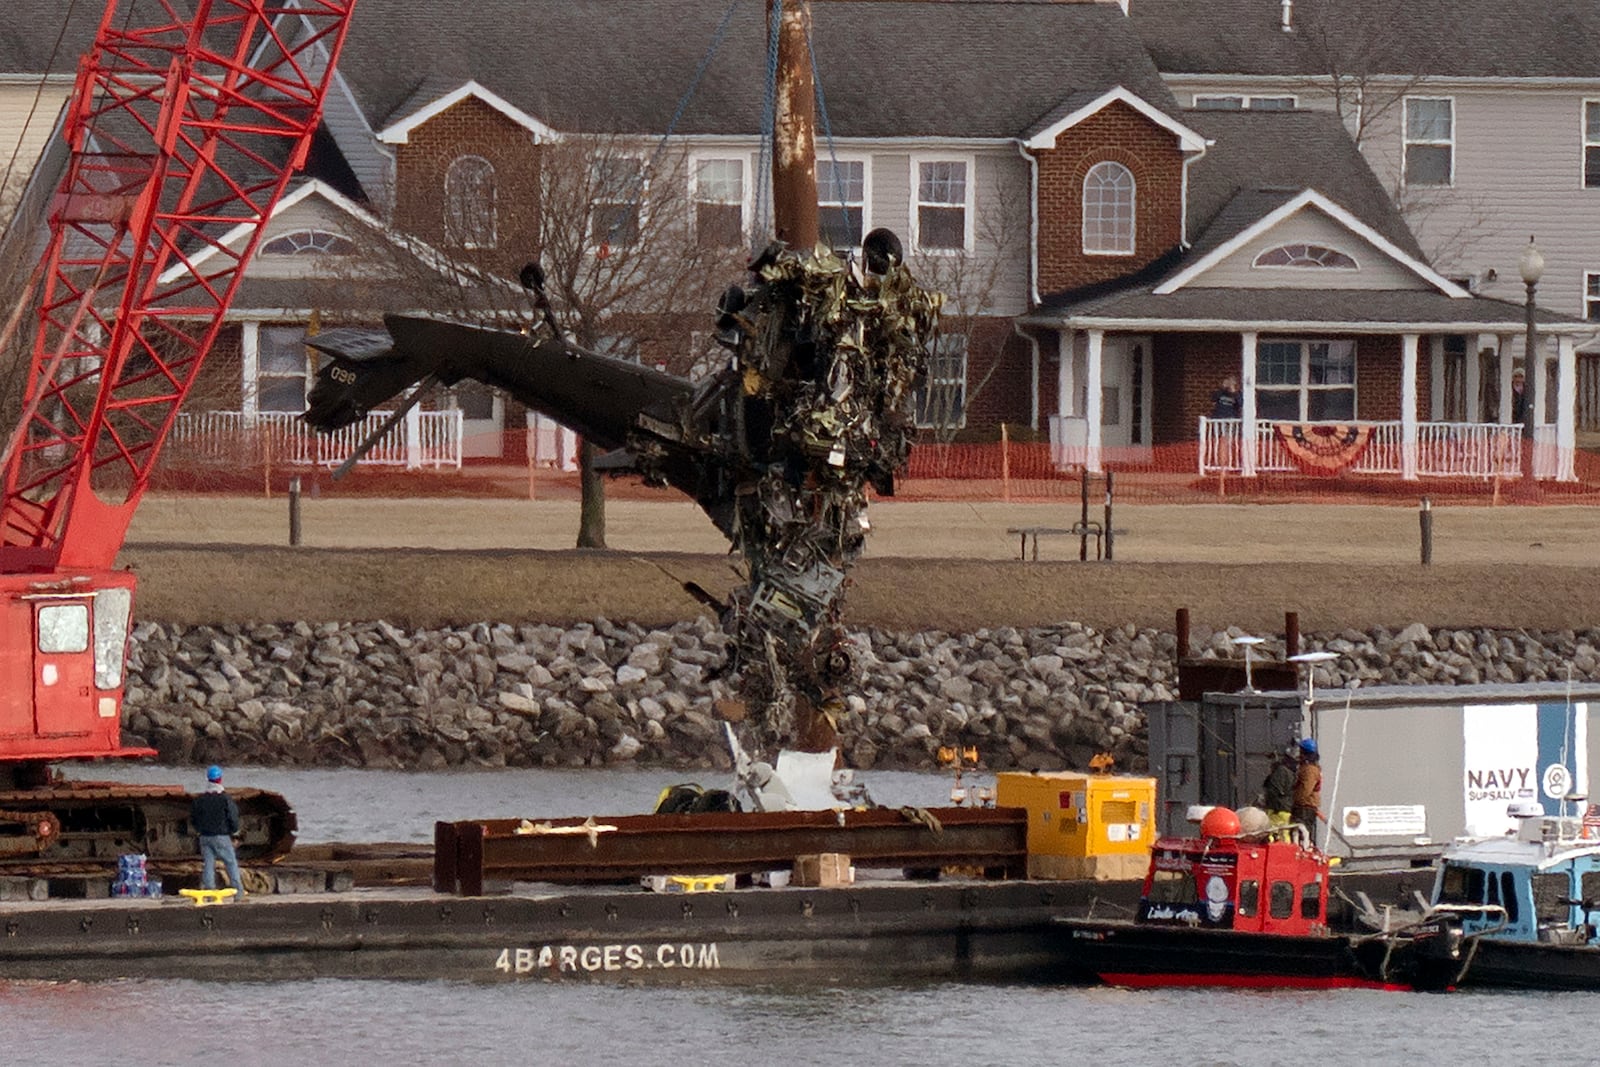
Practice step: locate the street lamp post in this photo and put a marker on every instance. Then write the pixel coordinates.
(1532, 267)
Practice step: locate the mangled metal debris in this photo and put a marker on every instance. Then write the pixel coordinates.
(780, 446)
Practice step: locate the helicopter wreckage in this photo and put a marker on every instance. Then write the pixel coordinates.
(814, 407)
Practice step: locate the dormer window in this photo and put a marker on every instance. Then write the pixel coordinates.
(309, 243)
(1303, 255)
(1108, 210)
(469, 203)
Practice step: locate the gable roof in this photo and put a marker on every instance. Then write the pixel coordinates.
(1198, 263)
(888, 68)
(1438, 38)
(1260, 159)
(1081, 106)
(428, 277)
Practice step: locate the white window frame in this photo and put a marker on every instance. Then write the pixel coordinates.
(747, 200)
(826, 159)
(1591, 296)
(1406, 141)
(639, 197)
(310, 241)
(919, 398)
(1304, 388)
(1256, 264)
(1133, 212)
(457, 231)
(1246, 100)
(1589, 142)
(969, 205)
(250, 358)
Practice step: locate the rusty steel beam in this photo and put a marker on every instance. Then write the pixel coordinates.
(794, 153)
(627, 847)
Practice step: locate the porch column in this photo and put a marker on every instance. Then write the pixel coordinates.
(1408, 406)
(1566, 409)
(1504, 344)
(1091, 401)
(250, 368)
(1247, 404)
(1064, 345)
(1474, 382)
(1033, 384)
(413, 438)
(1436, 378)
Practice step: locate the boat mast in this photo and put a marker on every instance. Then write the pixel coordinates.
(794, 149)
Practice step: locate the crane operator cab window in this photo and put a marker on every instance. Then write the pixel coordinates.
(69, 629)
(64, 628)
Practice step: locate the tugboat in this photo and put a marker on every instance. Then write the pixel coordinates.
(1233, 907)
(1517, 911)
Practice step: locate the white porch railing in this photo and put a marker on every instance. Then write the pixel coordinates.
(430, 439)
(1443, 450)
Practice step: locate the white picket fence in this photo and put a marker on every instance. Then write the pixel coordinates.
(422, 440)
(1443, 450)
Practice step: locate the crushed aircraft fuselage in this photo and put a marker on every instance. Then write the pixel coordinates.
(779, 447)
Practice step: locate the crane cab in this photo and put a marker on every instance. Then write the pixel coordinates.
(63, 654)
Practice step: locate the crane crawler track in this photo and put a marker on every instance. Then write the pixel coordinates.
(103, 820)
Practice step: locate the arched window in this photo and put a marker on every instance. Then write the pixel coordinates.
(469, 203)
(1108, 196)
(1304, 255)
(309, 243)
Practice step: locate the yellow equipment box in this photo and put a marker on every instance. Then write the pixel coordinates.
(1083, 825)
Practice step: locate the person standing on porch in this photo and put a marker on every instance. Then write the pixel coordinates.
(1519, 398)
(1225, 402)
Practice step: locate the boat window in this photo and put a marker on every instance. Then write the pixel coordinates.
(1172, 887)
(1550, 894)
(1494, 891)
(1280, 904)
(1591, 890)
(1249, 897)
(1461, 885)
(1311, 901)
(1508, 894)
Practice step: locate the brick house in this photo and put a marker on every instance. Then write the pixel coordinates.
(1111, 255)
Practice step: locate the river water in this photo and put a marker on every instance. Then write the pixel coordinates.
(286, 1024)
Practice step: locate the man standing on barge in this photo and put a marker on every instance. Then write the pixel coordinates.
(1308, 788)
(214, 816)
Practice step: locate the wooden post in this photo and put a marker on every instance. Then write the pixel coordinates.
(1182, 628)
(1005, 464)
(1291, 633)
(1425, 519)
(1110, 536)
(1083, 515)
(294, 510)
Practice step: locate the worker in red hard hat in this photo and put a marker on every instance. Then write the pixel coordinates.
(1308, 788)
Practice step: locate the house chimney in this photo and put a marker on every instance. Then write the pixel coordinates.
(1287, 26)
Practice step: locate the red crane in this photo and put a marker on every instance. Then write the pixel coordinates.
(187, 121)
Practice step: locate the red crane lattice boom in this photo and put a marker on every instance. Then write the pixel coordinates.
(187, 122)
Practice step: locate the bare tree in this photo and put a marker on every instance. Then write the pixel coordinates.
(628, 249)
(973, 283)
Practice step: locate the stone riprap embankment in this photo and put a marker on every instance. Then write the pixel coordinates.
(370, 694)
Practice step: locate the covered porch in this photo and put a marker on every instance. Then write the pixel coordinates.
(1403, 401)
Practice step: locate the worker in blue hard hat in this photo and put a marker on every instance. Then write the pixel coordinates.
(214, 818)
(1308, 788)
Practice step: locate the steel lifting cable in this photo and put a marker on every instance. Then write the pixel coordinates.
(16, 367)
(769, 121)
(637, 181)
